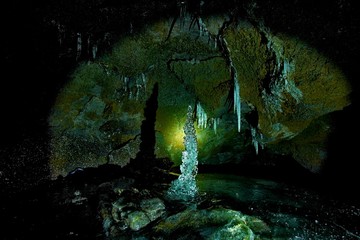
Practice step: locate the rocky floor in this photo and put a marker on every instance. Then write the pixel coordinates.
(105, 203)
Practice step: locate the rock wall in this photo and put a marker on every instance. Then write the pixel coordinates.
(285, 85)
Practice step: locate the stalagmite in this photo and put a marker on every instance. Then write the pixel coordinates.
(184, 188)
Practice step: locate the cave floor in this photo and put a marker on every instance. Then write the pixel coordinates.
(73, 208)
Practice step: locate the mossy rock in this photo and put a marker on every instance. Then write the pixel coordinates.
(289, 84)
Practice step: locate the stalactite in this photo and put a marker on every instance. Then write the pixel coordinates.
(134, 86)
(237, 100)
(254, 140)
(257, 139)
(94, 51)
(281, 80)
(226, 53)
(78, 46)
(215, 122)
(201, 116)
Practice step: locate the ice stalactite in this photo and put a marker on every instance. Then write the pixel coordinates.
(202, 119)
(281, 76)
(224, 47)
(78, 46)
(254, 140)
(182, 13)
(94, 51)
(237, 101)
(143, 79)
(192, 23)
(184, 188)
(290, 86)
(134, 86)
(202, 28)
(61, 33)
(215, 122)
(204, 32)
(88, 44)
(201, 116)
(257, 139)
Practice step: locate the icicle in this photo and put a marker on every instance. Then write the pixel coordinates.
(126, 82)
(61, 33)
(254, 140)
(237, 101)
(201, 116)
(79, 46)
(134, 86)
(94, 51)
(131, 28)
(262, 141)
(183, 13)
(202, 27)
(215, 123)
(143, 77)
(138, 87)
(88, 44)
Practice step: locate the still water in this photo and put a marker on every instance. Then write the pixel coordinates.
(290, 212)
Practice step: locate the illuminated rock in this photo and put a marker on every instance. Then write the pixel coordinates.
(286, 82)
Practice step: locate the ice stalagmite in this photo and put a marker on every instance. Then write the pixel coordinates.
(184, 188)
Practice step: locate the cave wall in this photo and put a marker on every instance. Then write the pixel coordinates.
(289, 85)
(39, 54)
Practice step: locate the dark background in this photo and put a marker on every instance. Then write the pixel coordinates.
(34, 67)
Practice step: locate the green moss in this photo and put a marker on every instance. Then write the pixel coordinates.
(220, 223)
(188, 69)
(323, 89)
(320, 80)
(208, 80)
(76, 93)
(131, 56)
(310, 146)
(71, 151)
(188, 46)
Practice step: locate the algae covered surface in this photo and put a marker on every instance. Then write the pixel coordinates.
(285, 82)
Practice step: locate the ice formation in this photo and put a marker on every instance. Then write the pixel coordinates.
(78, 45)
(201, 116)
(257, 139)
(282, 82)
(215, 122)
(134, 86)
(184, 188)
(94, 51)
(237, 99)
(237, 102)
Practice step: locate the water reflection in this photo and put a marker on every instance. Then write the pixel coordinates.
(290, 212)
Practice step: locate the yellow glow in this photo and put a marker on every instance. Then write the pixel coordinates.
(177, 138)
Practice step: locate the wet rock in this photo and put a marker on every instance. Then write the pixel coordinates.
(137, 220)
(154, 208)
(218, 223)
(98, 117)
